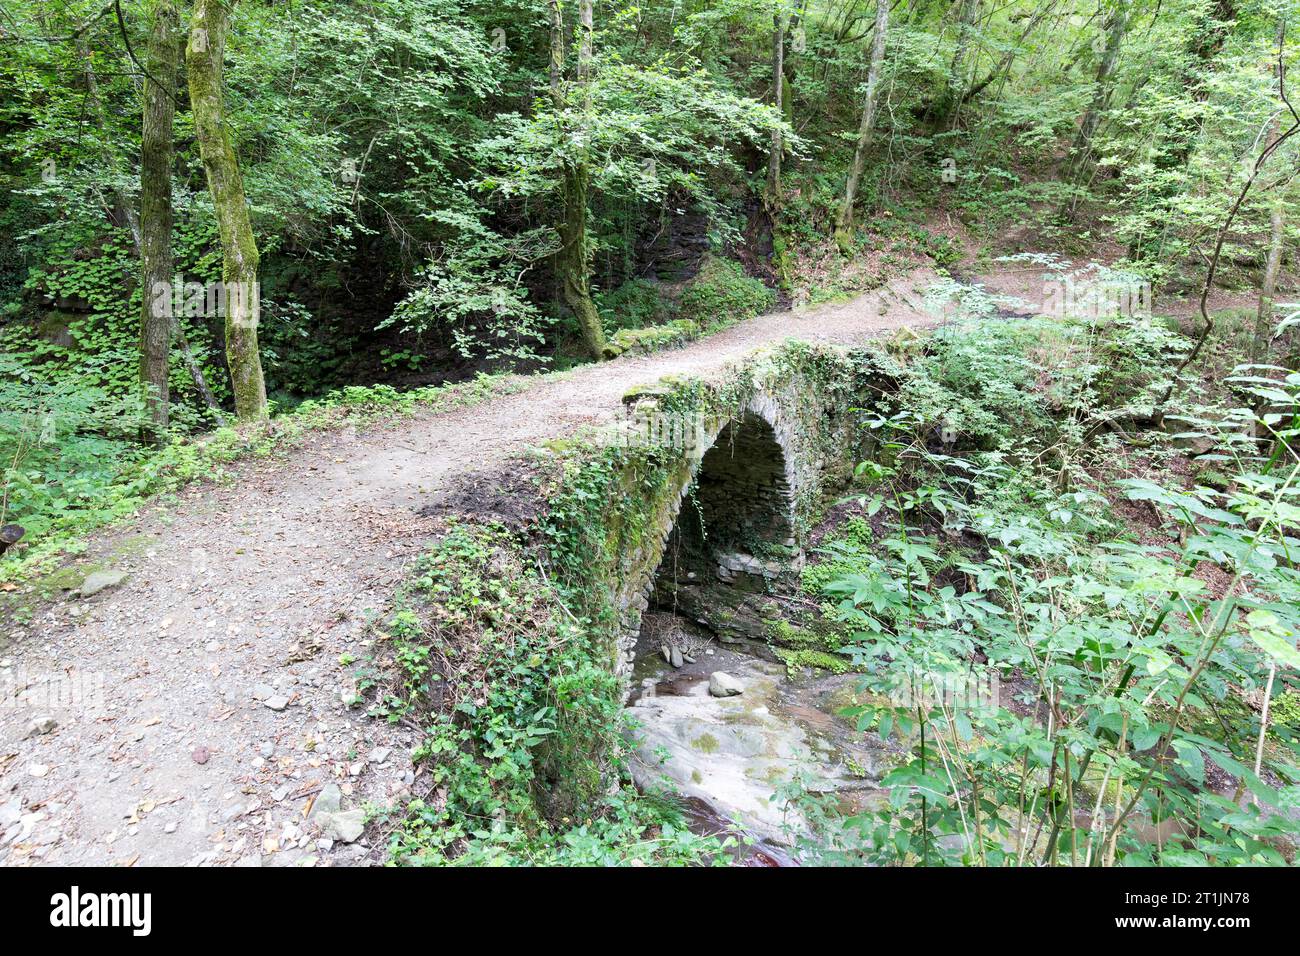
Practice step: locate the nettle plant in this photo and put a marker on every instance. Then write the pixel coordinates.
(1065, 695)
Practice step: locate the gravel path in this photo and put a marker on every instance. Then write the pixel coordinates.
(197, 705)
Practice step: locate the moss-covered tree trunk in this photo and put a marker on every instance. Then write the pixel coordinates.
(844, 222)
(204, 60)
(572, 265)
(557, 54)
(796, 30)
(156, 155)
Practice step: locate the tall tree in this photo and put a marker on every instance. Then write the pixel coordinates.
(772, 196)
(1104, 84)
(1003, 67)
(1181, 130)
(204, 56)
(572, 261)
(156, 156)
(1273, 144)
(1273, 257)
(959, 68)
(844, 222)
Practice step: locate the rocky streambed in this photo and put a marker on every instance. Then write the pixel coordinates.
(730, 755)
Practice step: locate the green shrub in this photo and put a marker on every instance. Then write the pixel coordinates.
(636, 304)
(721, 294)
(523, 720)
(1136, 659)
(651, 339)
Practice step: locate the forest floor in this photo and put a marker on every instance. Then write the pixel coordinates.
(198, 705)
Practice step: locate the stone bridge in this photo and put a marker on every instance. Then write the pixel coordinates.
(741, 470)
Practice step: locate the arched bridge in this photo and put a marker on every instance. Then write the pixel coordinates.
(743, 466)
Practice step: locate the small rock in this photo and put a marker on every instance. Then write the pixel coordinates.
(262, 691)
(170, 828)
(11, 812)
(722, 684)
(668, 655)
(329, 800)
(346, 826)
(676, 660)
(42, 725)
(38, 769)
(201, 755)
(278, 702)
(380, 754)
(100, 580)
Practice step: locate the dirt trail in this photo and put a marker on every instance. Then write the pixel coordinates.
(242, 596)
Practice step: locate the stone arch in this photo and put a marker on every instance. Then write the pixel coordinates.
(749, 477)
(743, 499)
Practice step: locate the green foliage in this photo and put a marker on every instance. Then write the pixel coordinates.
(523, 720)
(1132, 648)
(94, 341)
(796, 661)
(633, 305)
(722, 294)
(651, 339)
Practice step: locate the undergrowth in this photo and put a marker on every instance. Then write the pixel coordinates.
(1071, 689)
(523, 720)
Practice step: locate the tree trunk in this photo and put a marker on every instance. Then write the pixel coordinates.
(798, 30)
(204, 62)
(772, 196)
(1082, 149)
(1272, 261)
(957, 70)
(1180, 133)
(557, 53)
(128, 213)
(1206, 45)
(844, 223)
(571, 263)
(156, 156)
(1003, 67)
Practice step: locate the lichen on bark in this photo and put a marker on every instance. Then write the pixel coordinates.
(204, 55)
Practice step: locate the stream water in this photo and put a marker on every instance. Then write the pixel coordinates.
(728, 756)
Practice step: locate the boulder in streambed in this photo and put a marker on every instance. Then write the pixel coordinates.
(722, 684)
